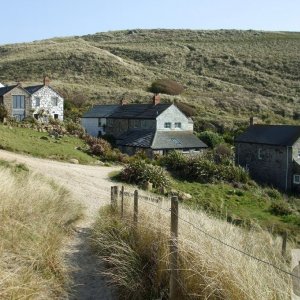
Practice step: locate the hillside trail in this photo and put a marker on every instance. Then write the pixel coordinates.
(89, 185)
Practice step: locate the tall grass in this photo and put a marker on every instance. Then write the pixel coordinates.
(35, 218)
(137, 260)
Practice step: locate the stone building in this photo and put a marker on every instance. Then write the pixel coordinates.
(271, 153)
(38, 101)
(155, 127)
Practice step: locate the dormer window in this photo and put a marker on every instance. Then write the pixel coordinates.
(167, 124)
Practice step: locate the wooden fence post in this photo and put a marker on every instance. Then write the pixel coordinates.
(112, 196)
(284, 240)
(122, 201)
(174, 291)
(136, 208)
(116, 191)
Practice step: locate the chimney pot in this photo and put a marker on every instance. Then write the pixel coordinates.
(46, 80)
(156, 99)
(123, 101)
(253, 121)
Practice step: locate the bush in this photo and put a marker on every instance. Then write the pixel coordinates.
(280, 208)
(210, 138)
(3, 113)
(174, 160)
(166, 86)
(139, 172)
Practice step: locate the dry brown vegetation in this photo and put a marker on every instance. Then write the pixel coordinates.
(138, 263)
(36, 216)
(227, 74)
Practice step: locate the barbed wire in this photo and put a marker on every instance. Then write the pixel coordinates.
(224, 243)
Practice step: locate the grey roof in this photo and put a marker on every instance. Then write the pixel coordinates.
(4, 90)
(34, 88)
(176, 140)
(139, 111)
(281, 135)
(100, 111)
(136, 138)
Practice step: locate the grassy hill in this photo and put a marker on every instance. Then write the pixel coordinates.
(227, 74)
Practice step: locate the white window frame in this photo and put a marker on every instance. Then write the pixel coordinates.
(167, 125)
(37, 101)
(296, 179)
(298, 153)
(54, 101)
(177, 124)
(259, 153)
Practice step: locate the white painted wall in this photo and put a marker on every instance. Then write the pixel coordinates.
(45, 94)
(1, 85)
(91, 125)
(172, 115)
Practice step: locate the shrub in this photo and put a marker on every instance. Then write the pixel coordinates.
(210, 138)
(166, 86)
(280, 208)
(174, 160)
(3, 113)
(139, 172)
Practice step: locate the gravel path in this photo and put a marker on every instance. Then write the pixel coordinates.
(90, 185)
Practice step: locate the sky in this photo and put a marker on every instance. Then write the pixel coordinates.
(29, 20)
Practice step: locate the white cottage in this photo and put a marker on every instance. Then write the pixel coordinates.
(46, 101)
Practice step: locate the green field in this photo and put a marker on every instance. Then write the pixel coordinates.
(249, 204)
(40, 144)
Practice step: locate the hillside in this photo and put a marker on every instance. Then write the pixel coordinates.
(227, 74)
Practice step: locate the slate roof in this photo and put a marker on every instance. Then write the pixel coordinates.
(128, 111)
(6, 89)
(280, 135)
(100, 111)
(34, 88)
(176, 140)
(136, 138)
(139, 111)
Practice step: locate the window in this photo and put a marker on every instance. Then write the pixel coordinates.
(296, 179)
(259, 153)
(99, 122)
(177, 125)
(37, 101)
(136, 124)
(18, 102)
(144, 124)
(298, 153)
(54, 101)
(55, 116)
(36, 116)
(168, 125)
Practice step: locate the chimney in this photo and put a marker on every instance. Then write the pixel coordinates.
(46, 80)
(252, 121)
(156, 99)
(123, 101)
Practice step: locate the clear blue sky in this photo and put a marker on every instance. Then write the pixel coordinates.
(28, 20)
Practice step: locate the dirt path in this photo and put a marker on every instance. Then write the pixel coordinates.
(90, 185)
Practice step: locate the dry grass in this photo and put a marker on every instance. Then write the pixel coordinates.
(35, 217)
(138, 261)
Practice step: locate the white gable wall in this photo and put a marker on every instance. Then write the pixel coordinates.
(91, 125)
(172, 115)
(45, 94)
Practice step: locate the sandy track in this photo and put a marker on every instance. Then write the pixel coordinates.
(89, 185)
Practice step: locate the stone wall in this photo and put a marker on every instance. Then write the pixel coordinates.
(45, 94)
(274, 167)
(8, 102)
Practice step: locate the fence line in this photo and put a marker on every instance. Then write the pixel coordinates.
(175, 213)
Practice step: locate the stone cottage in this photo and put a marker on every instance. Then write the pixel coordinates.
(38, 101)
(271, 153)
(155, 127)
